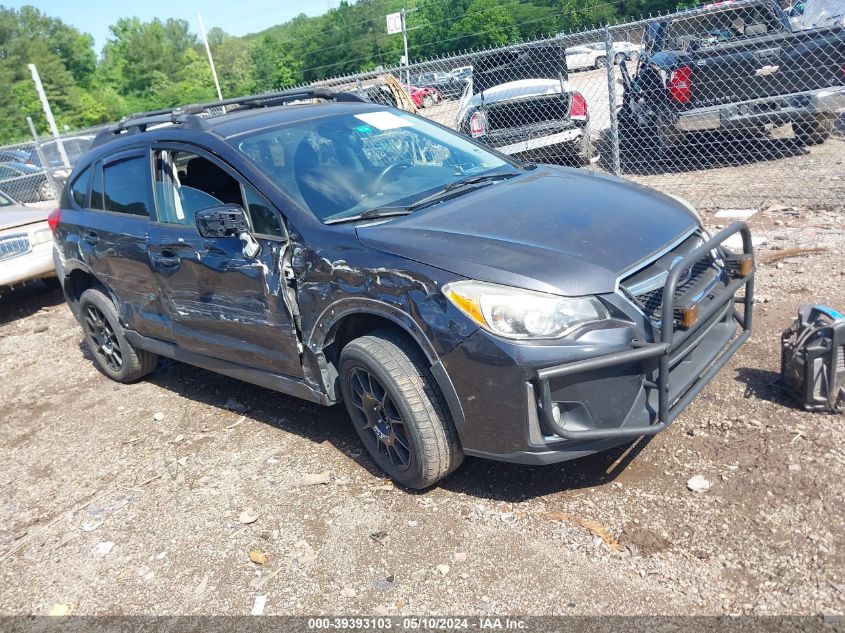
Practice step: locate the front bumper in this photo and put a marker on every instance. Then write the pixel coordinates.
(37, 263)
(756, 113)
(617, 386)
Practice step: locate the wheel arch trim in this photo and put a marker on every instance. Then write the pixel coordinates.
(327, 325)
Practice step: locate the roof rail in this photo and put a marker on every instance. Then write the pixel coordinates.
(190, 114)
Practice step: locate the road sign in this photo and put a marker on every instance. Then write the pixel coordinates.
(394, 23)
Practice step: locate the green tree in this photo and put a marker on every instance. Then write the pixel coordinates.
(271, 65)
(486, 23)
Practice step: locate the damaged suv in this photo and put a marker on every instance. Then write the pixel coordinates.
(457, 302)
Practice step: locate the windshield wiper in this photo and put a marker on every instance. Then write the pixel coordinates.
(454, 186)
(476, 179)
(378, 212)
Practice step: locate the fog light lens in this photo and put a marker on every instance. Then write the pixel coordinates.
(556, 414)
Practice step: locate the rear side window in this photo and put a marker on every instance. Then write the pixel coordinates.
(127, 187)
(79, 188)
(97, 188)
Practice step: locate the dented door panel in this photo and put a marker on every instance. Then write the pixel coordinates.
(222, 304)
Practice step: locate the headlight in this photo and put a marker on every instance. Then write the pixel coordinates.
(522, 314)
(42, 235)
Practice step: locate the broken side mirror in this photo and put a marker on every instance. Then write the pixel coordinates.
(228, 220)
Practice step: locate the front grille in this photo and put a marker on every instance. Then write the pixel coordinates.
(644, 287)
(527, 111)
(652, 301)
(13, 246)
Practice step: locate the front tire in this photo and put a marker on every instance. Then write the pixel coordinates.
(114, 355)
(814, 131)
(427, 101)
(397, 409)
(601, 62)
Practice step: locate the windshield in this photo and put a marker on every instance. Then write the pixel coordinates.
(344, 165)
(4, 201)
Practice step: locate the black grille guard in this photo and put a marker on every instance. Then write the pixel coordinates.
(670, 341)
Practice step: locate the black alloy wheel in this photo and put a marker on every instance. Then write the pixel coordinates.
(379, 419)
(106, 346)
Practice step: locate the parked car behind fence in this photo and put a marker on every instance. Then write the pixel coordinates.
(24, 182)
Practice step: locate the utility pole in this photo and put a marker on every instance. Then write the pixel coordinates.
(39, 87)
(210, 59)
(405, 42)
(396, 23)
(47, 171)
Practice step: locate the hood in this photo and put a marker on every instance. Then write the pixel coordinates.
(557, 230)
(16, 215)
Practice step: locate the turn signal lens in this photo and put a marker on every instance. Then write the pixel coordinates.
(689, 315)
(745, 265)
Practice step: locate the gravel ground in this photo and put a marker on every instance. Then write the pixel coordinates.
(133, 499)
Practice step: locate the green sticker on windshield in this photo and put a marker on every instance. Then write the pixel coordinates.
(363, 129)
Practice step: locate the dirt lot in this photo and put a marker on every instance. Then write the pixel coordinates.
(129, 499)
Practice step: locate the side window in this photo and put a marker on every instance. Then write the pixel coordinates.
(126, 186)
(265, 221)
(186, 183)
(79, 188)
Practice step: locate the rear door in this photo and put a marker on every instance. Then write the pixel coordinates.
(113, 237)
(220, 303)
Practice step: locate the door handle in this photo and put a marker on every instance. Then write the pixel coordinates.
(91, 237)
(167, 259)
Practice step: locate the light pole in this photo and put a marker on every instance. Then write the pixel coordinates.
(210, 59)
(39, 88)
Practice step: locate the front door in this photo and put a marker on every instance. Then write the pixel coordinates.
(221, 303)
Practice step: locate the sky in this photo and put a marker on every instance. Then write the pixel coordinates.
(236, 17)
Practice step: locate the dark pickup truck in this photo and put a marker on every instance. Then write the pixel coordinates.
(732, 67)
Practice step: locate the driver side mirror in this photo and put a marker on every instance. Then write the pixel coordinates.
(227, 220)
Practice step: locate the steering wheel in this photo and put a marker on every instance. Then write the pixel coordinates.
(404, 164)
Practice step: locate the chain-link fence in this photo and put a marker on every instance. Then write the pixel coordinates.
(35, 172)
(727, 105)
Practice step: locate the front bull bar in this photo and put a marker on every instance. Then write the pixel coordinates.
(670, 341)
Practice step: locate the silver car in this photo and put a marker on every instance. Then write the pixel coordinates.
(26, 245)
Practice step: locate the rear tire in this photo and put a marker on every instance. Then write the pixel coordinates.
(397, 409)
(814, 131)
(45, 191)
(114, 355)
(427, 101)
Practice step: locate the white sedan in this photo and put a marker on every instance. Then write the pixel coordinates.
(594, 54)
(26, 245)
